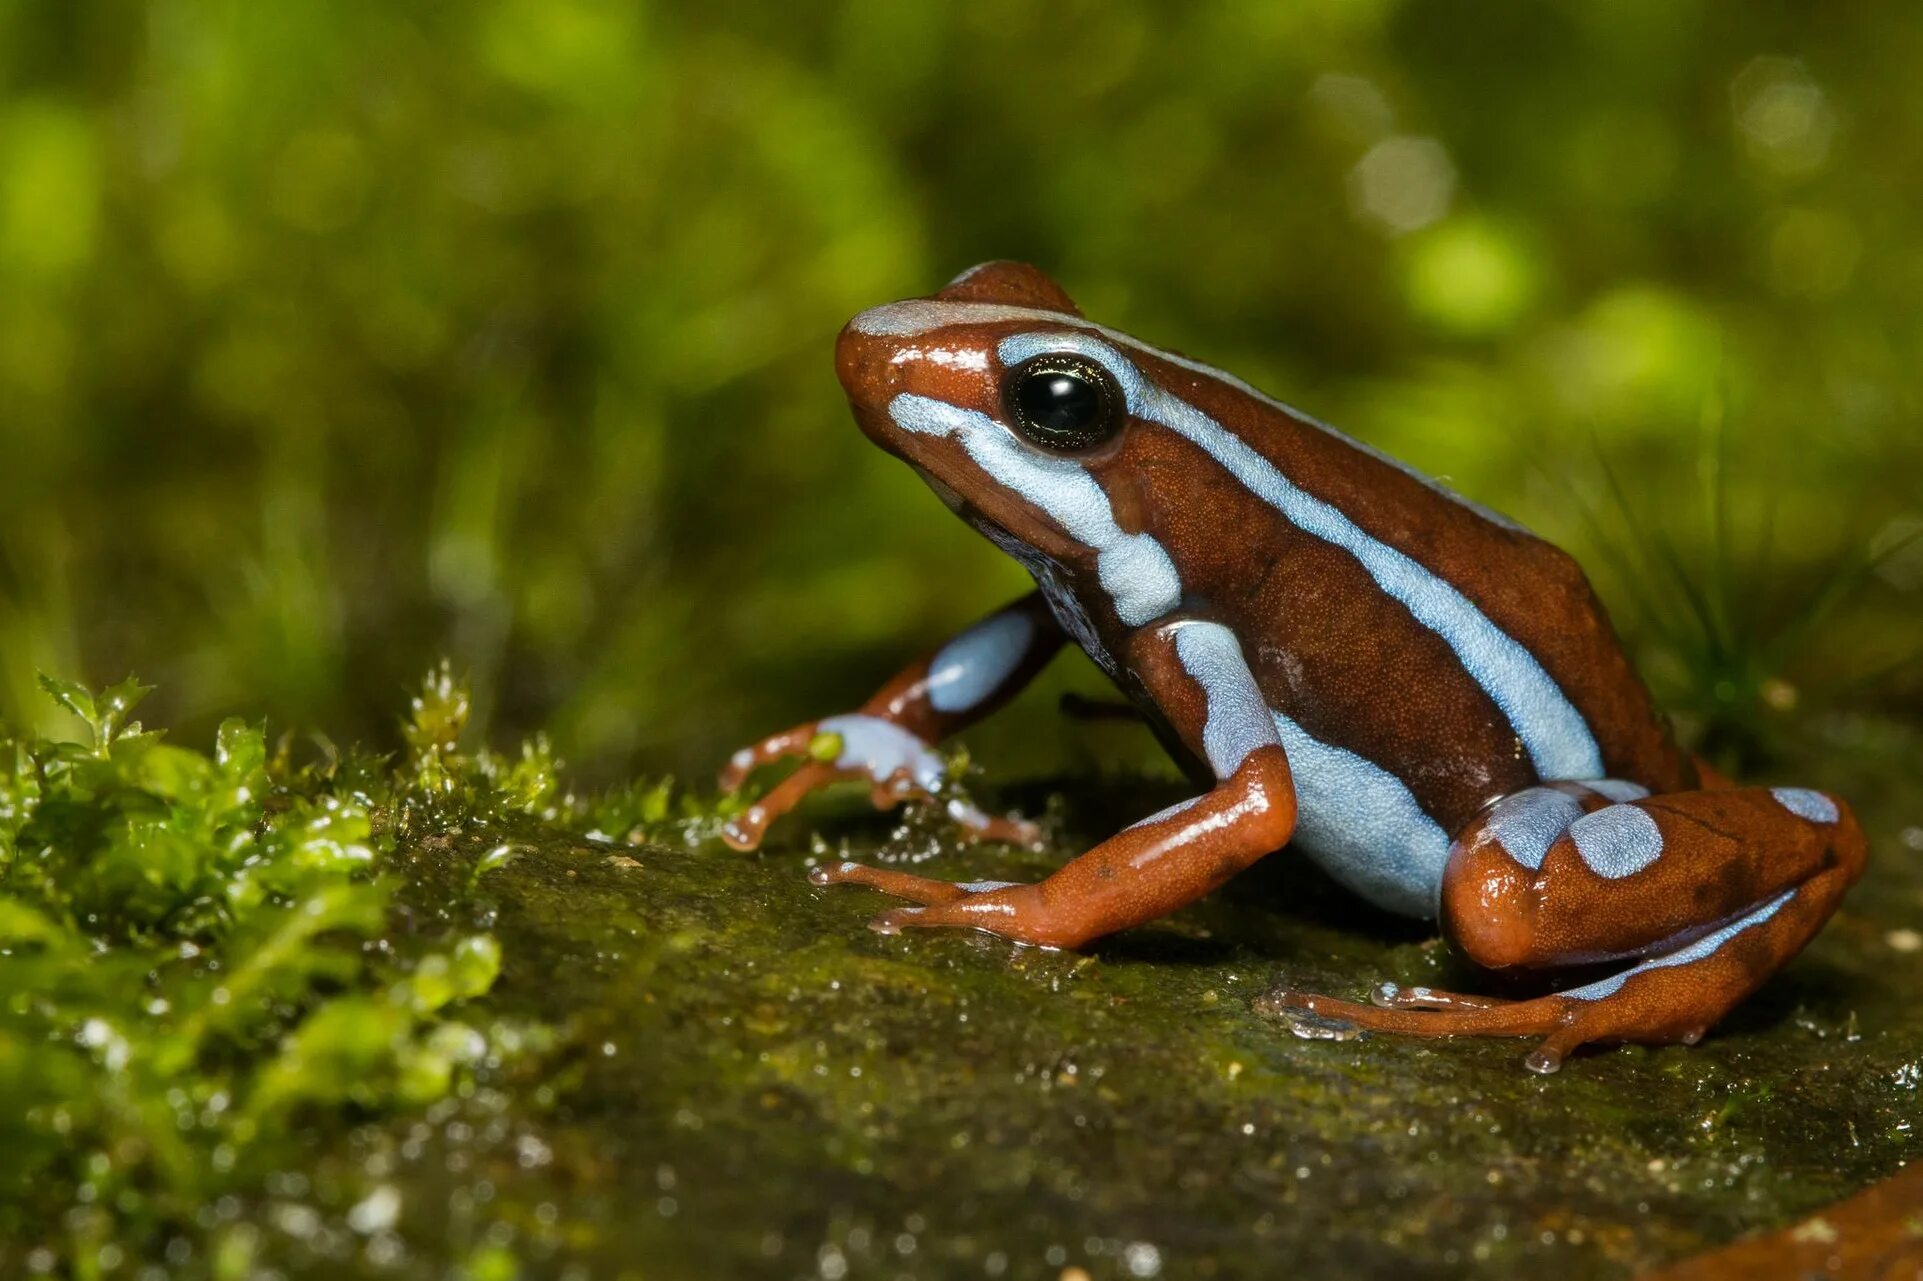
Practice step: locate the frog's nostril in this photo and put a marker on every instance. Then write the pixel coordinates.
(852, 353)
(865, 365)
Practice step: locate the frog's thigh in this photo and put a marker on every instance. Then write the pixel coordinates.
(1570, 873)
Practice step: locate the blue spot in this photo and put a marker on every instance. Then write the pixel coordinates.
(975, 664)
(882, 749)
(1528, 823)
(1803, 803)
(1618, 841)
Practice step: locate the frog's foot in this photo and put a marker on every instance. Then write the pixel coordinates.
(1006, 908)
(1667, 998)
(745, 830)
(789, 742)
(1561, 1021)
(922, 889)
(896, 764)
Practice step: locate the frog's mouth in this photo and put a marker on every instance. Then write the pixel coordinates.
(1030, 556)
(975, 518)
(953, 501)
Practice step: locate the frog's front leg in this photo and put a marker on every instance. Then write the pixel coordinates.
(1196, 673)
(1705, 895)
(889, 741)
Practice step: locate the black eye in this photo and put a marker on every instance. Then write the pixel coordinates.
(1063, 402)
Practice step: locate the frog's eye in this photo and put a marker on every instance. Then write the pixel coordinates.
(1063, 402)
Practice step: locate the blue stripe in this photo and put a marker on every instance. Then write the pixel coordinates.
(924, 315)
(1134, 569)
(1552, 731)
(1701, 949)
(1237, 721)
(1363, 826)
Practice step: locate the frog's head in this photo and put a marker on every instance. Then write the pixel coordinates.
(1017, 412)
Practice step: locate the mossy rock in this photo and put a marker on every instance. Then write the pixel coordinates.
(421, 1017)
(759, 1086)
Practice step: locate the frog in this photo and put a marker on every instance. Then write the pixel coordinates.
(1350, 661)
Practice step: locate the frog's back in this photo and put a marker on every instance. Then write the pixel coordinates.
(1387, 617)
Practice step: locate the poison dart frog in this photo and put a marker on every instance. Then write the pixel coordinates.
(1352, 662)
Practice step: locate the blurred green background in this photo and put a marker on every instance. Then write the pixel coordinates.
(336, 335)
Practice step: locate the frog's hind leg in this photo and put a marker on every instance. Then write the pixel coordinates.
(1705, 893)
(1671, 997)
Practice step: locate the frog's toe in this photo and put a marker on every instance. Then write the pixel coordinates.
(919, 889)
(1393, 996)
(745, 830)
(886, 792)
(980, 825)
(1402, 1011)
(1547, 1057)
(790, 742)
(993, 907)
(894, 922)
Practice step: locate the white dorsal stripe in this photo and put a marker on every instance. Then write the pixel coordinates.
(922, 315)
(1553, 732)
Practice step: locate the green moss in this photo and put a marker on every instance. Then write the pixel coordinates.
(459, 1036)
(203, 969)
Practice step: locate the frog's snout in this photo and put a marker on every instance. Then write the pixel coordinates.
(860, 361)
(914, 369)
(865, 364)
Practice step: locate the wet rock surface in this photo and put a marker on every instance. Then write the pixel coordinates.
(747, 1082)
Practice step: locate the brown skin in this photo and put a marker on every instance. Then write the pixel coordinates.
(1324, 644)
(1532, 590)
(1324, 653)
